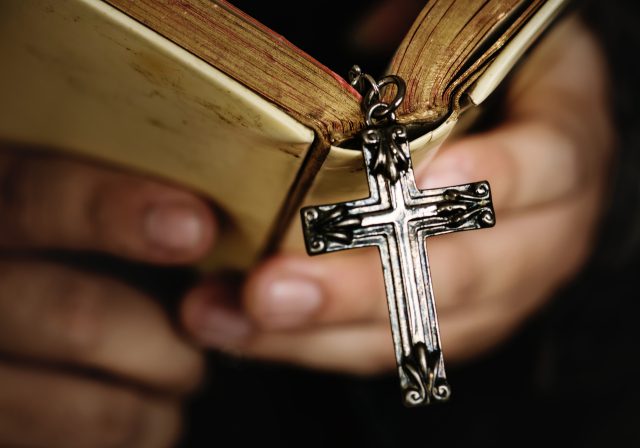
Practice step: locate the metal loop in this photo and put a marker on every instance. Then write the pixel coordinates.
(357, 81)
(373, 118)
(371, 96)
(355, 72)
(377, 112)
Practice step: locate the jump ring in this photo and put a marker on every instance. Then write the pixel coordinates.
(373, 118)
(357, 80)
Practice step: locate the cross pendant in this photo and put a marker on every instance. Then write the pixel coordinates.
(397, 217)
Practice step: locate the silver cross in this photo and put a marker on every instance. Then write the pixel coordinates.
(397, 217)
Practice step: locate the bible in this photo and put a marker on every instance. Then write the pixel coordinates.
(195, 92)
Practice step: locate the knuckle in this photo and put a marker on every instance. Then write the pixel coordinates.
(353, 288)
(15, 197)
(96, 210)
(569, 159)
(77, 313)
(365, 351)
(374, 304)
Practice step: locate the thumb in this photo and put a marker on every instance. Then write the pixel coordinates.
(291, 291)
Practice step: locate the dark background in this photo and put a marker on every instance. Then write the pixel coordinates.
(569, 376)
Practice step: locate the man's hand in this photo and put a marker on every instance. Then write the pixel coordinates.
(547, 164)
(84, 359)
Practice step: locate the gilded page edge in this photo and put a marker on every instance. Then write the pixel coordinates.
(495, 73)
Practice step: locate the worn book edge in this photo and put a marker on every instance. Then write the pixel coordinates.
(340, 174)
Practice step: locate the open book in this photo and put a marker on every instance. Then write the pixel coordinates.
(197, 93)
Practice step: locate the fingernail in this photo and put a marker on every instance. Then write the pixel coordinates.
(289, 303)
(174, 227)
(222, 327)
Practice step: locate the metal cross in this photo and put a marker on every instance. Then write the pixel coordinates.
(397, 217)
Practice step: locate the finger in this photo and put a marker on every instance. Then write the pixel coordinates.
(51, 202)
(527, 164)
(215, 322)
(60, 315)
(45, 409)
(476, 330)
(291, 291)
(358, 349)
(479, 324)
(522, 260)
(479, 304)
(367, 348)
(211, 312)
(363, 348)
(556, 136)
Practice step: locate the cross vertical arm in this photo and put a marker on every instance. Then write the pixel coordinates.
(397, 218)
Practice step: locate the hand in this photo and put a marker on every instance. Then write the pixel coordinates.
(547, 164)
(85, 360)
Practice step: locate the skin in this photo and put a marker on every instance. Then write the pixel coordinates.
(58, 322)
(547, 164)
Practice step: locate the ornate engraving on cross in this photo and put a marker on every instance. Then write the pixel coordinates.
(397, 217)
